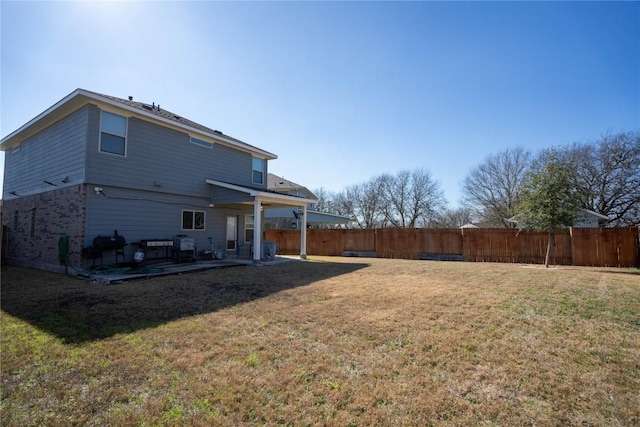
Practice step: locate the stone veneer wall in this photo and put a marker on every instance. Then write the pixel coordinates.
(36, 223)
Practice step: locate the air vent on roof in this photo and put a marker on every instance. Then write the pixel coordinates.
(131, 98)
(177, 117)
(147, 107)
(218, 132)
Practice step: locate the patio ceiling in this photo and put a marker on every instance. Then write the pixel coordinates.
(224, 193)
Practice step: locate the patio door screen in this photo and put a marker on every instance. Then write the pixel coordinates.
(232, 233)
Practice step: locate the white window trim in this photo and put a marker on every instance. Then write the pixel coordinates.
(201, 142)
(126, 131)
(252, 228)
(204, 223)
(263, 172)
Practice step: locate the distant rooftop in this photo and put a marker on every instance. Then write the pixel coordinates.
(282, 185)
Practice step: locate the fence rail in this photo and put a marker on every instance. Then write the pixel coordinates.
(604, 247)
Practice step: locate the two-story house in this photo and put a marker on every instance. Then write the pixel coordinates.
(92, 164)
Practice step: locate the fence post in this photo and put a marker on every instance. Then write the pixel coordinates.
(375, 241)
(637, 246)
(571, 262)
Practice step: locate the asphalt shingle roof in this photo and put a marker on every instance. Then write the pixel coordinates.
(156, 110)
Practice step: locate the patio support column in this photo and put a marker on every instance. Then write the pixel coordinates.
(257, 231)
(303, 233)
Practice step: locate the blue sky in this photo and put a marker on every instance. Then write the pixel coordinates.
(341, 91)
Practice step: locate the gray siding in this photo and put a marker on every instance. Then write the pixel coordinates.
(164, 160)
(141, 215)
(146, 191)
(53, 154)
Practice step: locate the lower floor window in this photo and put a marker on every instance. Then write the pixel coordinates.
(248, 228)
(193, 220)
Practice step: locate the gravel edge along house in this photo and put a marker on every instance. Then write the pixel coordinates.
(95, 169)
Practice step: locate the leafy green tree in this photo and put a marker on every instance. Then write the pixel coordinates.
(548, 199)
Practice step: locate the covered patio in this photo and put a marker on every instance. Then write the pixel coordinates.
(226, 194)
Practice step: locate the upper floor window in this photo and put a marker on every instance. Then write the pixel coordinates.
(113, 134)
(258, 171)
(201, 143)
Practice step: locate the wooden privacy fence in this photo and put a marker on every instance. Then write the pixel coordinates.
(613, 247)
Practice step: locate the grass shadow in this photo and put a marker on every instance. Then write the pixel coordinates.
(77, 311)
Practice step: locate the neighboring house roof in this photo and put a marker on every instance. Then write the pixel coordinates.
(282, 185)
(589, 218)
(469, 225)
(595, 214)
(586, 218)
(315, 217)
(151, 112)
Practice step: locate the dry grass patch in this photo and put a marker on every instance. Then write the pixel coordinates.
(328, 341)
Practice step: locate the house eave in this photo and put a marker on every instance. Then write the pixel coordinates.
(81, 97)
(60, 109)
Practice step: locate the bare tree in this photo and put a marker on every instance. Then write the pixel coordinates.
(360, 203)
(452, 218)
(365, 203)
(341, 204)
(606, 174)
(491, 190)
(325, 200)
(411, 199)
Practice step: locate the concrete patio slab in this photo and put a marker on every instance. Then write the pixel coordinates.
(111, 275)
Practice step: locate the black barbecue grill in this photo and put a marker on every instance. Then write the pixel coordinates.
(102, 244)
